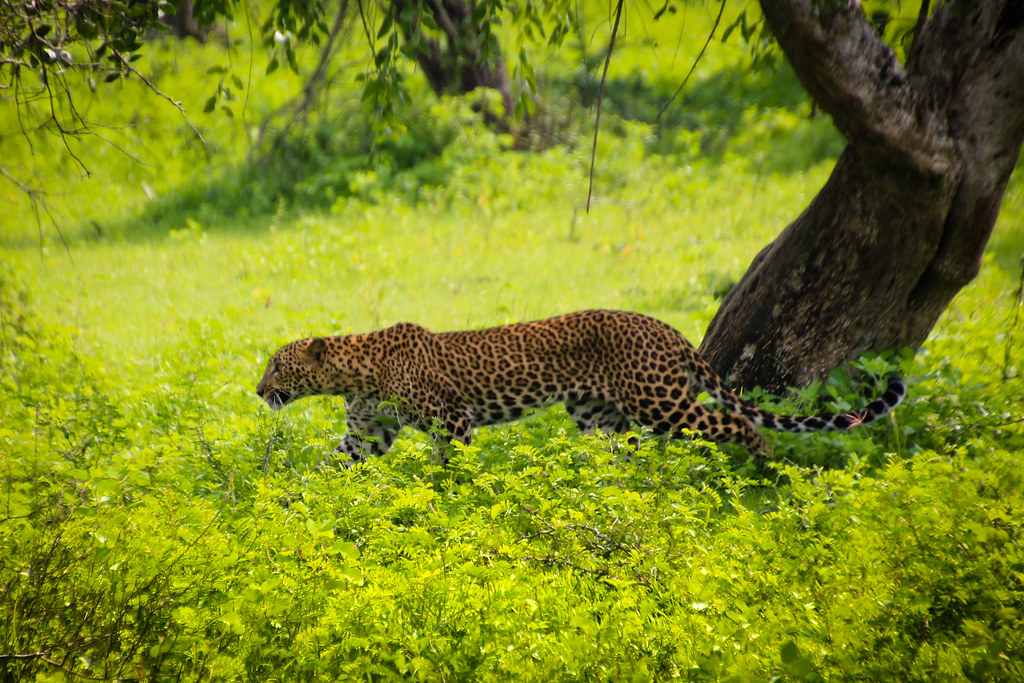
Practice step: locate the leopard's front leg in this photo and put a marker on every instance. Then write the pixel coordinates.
(369, 433)
(358, 447)
(454, 423)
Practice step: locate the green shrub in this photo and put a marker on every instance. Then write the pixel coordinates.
(169, 539)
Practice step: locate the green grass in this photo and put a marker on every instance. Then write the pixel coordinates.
(157, 520)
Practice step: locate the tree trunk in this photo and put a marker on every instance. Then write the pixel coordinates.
(184, 23)
(458, 67)
(900, 226)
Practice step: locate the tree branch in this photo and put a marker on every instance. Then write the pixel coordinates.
(969, 61)
(854, 76)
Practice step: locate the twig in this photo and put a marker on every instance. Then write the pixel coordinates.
(552, 561)
(1014, 325)
(718, 19)
(149, 84)
(600, 100)
(248, 82)
(974, 426)
(45, 657)
(316, 80)
(64, 133)
(38, 200)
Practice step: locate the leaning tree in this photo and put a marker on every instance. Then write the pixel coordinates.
(900, 226)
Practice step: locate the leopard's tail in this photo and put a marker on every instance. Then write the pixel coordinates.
(830, 422)
(702, 373)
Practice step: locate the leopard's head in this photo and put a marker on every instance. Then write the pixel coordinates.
(295, 371)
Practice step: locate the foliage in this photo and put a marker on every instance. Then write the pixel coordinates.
(157, 521)
(62, 59)
(50, 51)
(167, 538)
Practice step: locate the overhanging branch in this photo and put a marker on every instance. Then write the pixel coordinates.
(854, 76)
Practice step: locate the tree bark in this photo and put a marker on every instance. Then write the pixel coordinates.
(900, 226)
(184, 23)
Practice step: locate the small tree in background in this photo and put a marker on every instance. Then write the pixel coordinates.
(458, 61)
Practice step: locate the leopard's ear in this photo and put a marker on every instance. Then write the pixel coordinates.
(317, 348)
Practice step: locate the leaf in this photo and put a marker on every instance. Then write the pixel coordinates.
(385, 26)
(234, 623)
(731, 27)
(480, 13)
(108, 486)
(348, 550)
(211, 104)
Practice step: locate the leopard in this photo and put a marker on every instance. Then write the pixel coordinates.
(612, 370)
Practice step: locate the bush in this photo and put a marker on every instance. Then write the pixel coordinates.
(144, 541)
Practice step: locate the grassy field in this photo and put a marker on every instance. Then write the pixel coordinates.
(158, 522)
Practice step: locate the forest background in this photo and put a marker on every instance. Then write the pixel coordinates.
(156, 521)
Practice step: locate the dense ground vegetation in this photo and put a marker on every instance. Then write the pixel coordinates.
(156, 521)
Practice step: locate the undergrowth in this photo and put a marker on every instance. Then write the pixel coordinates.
(168, 533)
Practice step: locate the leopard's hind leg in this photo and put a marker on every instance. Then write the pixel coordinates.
(598, 414)
(674, 417)
(591, 414)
